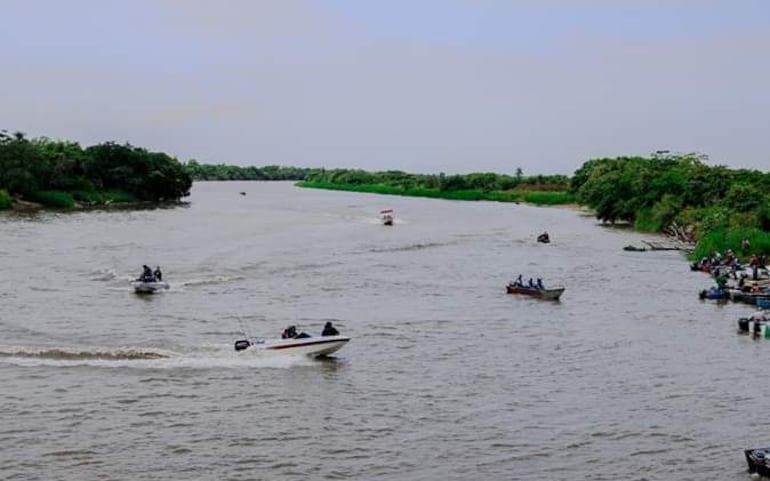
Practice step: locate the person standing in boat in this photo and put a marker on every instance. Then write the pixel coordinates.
(158, 275)
(540, 283)
(330, 330)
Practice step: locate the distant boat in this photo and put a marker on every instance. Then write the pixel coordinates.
(243, 193)
(552, 294)
(148, 286)
(387, 216)
(544, 238)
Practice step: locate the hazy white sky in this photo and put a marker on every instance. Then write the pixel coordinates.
(417, 85)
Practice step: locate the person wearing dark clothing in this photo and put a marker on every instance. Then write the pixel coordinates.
(146, 274)
(158, 275)
(330, 330)
(289, 333)
(518, 282)
(540, 283)
(531, 283)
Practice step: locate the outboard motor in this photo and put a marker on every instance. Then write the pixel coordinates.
(743, 324)
(242, 344)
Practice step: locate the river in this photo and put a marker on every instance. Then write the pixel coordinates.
(630, 376)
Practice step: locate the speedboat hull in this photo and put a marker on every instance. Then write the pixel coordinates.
(298, 346)
(141, 287)
(547, 294)
(758, 461)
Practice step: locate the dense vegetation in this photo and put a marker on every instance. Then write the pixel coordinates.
(60, 173)
(549, 190)
(715, 205)
(234, 172)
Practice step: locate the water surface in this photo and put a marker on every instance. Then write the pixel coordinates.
(629, 376)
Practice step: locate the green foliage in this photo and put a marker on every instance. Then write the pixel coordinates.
(5, 200)
(233, 172)
(91, 197)
(541, 198)
(31, 166)
(723, 238)
(662, 189)
(53, 198)
(548, 198)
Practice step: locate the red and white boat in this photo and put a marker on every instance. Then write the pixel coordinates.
(387, 216)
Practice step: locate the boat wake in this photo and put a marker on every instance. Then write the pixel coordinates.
(410, 247)
(211, 280)
(75, 354)
(210, 357)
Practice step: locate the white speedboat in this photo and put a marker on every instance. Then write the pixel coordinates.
(387, 216)
(300, 345)
(148, 286)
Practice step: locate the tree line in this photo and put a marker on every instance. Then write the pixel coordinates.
(235, 172)
(712, 204)
(58, 173)
(483, 181)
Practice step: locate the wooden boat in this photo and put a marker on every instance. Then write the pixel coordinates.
(551, 294)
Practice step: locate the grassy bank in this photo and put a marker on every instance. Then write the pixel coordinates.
(730, 238)
(59, 199)
(531, 197)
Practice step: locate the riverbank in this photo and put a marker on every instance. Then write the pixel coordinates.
(560, 198)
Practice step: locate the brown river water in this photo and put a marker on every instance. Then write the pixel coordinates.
(630, 376)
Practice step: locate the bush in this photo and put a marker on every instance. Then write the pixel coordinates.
(726, 238)
(96, 197)
(5, 200)
(53, 198)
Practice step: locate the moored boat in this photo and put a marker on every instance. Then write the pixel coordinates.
(715, 292)
(551, 294)
(758, 325)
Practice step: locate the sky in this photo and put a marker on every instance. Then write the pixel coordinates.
(426, 86)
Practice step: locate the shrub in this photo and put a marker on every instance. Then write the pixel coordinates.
(53, 198)
(5, 200)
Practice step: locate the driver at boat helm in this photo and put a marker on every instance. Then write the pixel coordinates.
(330, 330)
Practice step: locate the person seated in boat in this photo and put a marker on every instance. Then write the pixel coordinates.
(540, 283)
(518, 282)
(289, 333)
(330, 330)
(158, 275)
(531, 283)
(146, 274)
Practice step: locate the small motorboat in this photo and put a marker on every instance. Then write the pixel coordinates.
(551, 294)
(715, 292)
(757, 325)
(387, 216)
(759, 461)
(293, 343)
(544, 238)
(148, 286)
